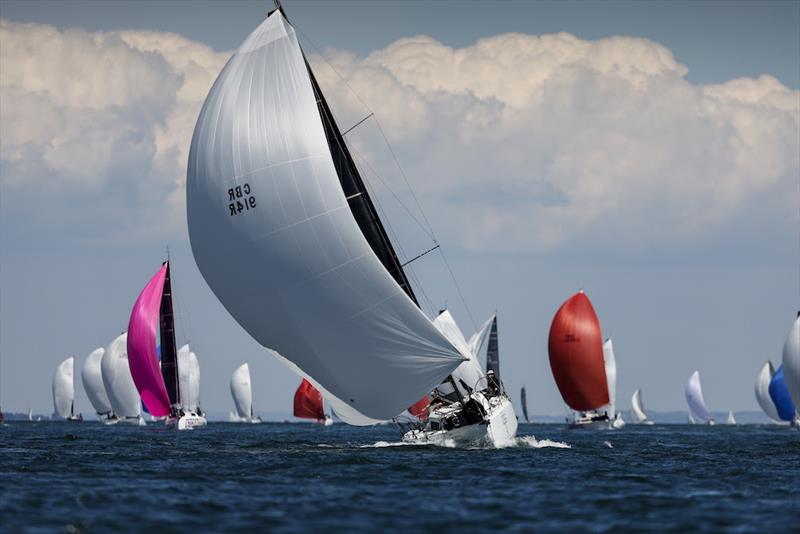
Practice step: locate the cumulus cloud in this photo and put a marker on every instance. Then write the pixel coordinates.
(517, 142)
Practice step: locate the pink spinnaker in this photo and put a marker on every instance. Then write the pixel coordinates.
(142, 358)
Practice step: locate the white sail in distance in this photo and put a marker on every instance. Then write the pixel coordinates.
(64, 388)
(791, 362)
(611, 376)
(731, 419)
(275, 239)
(92, 378)
(242, 391)
(694, 397)
(637, 408)
(189, 378)
(762, 391)
(121, 390)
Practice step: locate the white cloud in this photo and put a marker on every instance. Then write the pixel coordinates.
(517, 142)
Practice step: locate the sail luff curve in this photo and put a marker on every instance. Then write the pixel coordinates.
(142, 357)
(274, 237)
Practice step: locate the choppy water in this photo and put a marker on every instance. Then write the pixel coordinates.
(293, 477)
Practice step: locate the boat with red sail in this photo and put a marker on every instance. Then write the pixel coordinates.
(308, 404)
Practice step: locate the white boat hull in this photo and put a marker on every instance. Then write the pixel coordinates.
(498, 429)
(187, 421)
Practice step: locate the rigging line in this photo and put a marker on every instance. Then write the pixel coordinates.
(418, 256)
(353, 127)
(458, 288)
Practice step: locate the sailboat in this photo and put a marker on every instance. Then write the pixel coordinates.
(189, 380)
(159, 386)
(698, 412)
(64, 391)
(308, 404)
(122, 395)
(611, 379)
(92, 378)
(781, 399)
(287, 237)
(762, 385)
(637, 409)
(575, 347)
(242, 392)
(791, 365)
(731, 419)
(524, 401)
(30, 414)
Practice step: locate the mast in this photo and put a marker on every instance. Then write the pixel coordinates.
(169, 352)
(355, 191)
(492, 352)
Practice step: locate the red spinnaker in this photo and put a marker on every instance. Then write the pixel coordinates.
(576, 354)
(420, 408)
(308, 402)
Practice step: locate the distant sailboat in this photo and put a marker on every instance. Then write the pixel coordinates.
(242, 392)
(158, 385)
(189, 380)
(698, 411)
(523, 399)
(308, 404)
(575, 347)
(731, 419)
(762, 391)
(611, 379)
(791, 363)
(92, 378)
(118, 382)
(779, 395)
(30, 414)
(637, 409)
(64, 391)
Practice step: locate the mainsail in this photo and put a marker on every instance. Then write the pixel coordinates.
(121, 390)
(64, 388)
(637, 408)
(611, 375)
(779, 394)
(308, 402)
(791, 361)
(694, 397)
(524, 401)
(92, 378)
(242, 391)
(189, 378)
(575, 346)
(762, 391)
(274, 235)
(142, 356)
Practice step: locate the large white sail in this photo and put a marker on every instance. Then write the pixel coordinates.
(637, 408)
(470, 371)
(189, 378)
(694, 397)
(274, 237)
(92, 378)
(791, 361)
(479, 341)
(118, 381)
(242, 391)
(611, 376)
(64, 388)
(762, 391)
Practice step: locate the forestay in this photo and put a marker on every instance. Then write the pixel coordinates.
(272, 234)
(92, 379)
(64, 387)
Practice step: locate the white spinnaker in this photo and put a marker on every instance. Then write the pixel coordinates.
(64, 387)
(292, 267)
(479, 342)
(694, 397)
(242, 391)
(791, 362)
(469, 371)
(92, 378)
(117, 378)
(762, 391)
(731, 419)
(637, 408)
(188, 378)
(611, 376)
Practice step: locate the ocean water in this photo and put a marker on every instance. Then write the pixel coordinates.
(59, 476)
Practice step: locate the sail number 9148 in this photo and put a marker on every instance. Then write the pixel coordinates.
(240, 199)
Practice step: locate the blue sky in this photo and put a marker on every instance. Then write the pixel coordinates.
(653, 164)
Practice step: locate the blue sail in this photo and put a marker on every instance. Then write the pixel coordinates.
(779, 394)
